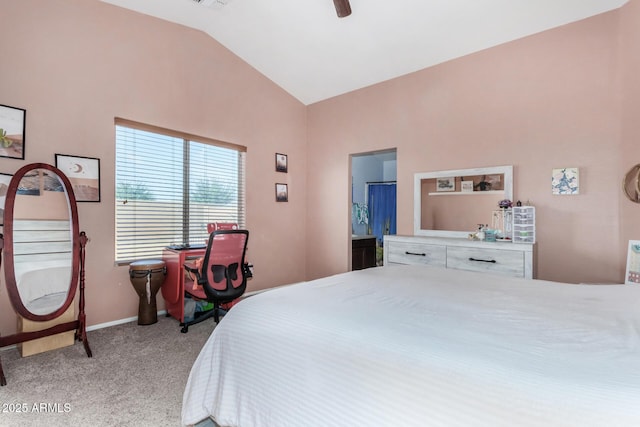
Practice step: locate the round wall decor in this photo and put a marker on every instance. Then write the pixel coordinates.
(631, 184)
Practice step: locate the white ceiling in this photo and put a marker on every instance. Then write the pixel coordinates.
(303, 46)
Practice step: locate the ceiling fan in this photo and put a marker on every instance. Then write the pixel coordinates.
(343, 8)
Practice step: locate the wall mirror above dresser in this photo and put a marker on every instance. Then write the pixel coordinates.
(43, 254)
(451, 203)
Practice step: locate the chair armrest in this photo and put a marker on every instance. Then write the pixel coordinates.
(192, 269)
(190, 266)
(248, 270)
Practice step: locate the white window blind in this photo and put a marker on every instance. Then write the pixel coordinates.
(169, 186)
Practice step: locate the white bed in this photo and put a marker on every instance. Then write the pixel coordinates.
(421, 346)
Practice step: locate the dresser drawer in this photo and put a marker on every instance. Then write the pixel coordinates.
(505, 262)
(412, 253)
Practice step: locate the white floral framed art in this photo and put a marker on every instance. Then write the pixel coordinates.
(565, 181)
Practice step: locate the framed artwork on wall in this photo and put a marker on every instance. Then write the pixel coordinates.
(281, 163)
(446, 184)
(282, 192)
(84, 175)
(12, 130)
(564, 181)
(632, 274)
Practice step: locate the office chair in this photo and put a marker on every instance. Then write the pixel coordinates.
(221, 276)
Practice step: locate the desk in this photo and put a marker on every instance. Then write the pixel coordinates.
(173, 288)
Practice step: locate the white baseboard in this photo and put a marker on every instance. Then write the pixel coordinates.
(259, 291)
(118, 322)
(98, 326)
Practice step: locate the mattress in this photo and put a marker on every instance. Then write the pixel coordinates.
(423, 346)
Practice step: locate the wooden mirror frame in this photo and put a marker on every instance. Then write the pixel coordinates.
(10, 277)
(79, 240)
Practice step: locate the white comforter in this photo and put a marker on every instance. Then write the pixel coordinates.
(419, 346)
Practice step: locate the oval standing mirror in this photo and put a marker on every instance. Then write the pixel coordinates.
(42, 244)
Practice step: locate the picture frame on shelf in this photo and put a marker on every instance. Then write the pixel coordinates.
(446, 184)
(12, 131)
(84, 175)
(632, 273)
(282, 192)
(466, 186)
(281, 163)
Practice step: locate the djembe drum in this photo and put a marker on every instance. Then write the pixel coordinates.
(147, 276)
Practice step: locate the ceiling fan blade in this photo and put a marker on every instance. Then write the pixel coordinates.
(343, 8)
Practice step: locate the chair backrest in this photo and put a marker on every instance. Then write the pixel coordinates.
(223, 265)
(215, 226)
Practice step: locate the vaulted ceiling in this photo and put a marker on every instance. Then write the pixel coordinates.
(303, 46)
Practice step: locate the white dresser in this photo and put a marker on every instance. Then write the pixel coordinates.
(506, 258)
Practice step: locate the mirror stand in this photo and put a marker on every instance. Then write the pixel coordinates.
(79, 325)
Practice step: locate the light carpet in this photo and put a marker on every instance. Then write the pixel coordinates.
(136, 377)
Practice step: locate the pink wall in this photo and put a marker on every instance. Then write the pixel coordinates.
(546, 101)
(563, 98)
(630, 147)
(74, 65)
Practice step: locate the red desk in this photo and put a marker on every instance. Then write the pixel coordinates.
(173, 287)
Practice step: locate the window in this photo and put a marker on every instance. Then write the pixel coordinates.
(169, 185)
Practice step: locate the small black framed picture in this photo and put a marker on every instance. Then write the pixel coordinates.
(282, 192)
(281, 163)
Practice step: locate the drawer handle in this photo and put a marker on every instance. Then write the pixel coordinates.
(414, 253)
(483, 260)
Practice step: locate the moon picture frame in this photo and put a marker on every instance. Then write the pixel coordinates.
(84, 175)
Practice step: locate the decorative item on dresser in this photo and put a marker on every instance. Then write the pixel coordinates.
(504, 258)
(524, 224)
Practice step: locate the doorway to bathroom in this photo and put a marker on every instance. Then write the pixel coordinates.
(373, 205)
